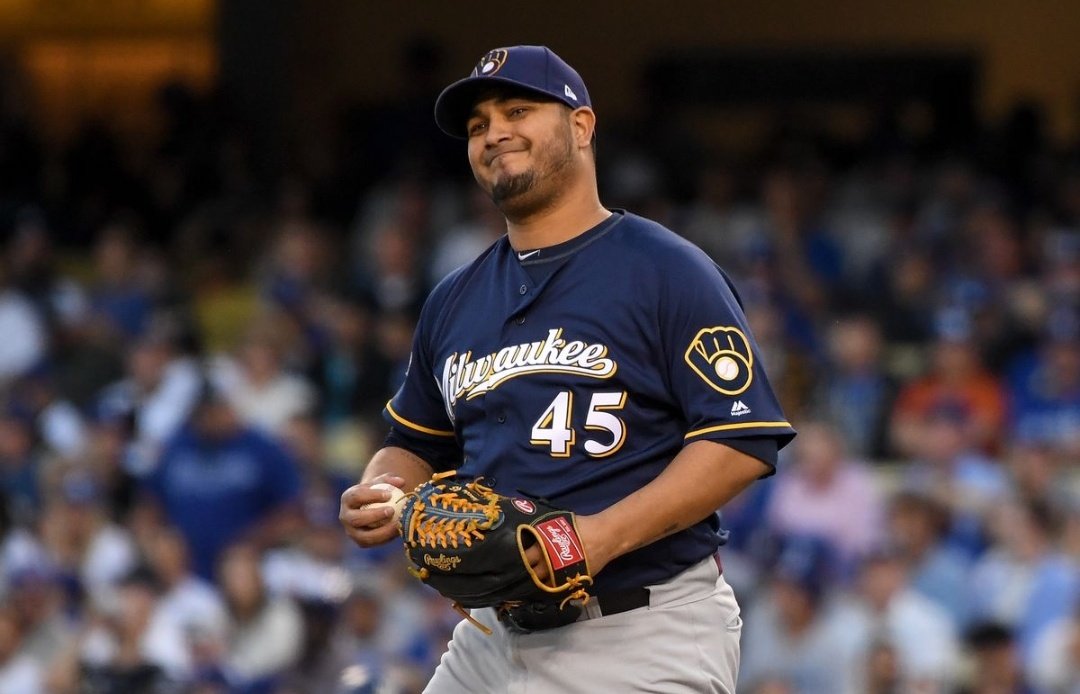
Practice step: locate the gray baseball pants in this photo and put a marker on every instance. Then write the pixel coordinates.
(686, 641)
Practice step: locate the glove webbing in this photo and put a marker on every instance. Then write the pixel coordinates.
(432, 530)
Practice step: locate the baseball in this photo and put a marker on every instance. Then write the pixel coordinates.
(397, 499)
(726, 368)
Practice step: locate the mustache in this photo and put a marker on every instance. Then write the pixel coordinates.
(490, 156)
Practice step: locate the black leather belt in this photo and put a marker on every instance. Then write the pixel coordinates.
(616, 601)
(626, 599)
(537, 616)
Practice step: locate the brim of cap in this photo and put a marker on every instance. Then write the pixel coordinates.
(454, 104)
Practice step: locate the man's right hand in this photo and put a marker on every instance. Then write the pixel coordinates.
(369, 527)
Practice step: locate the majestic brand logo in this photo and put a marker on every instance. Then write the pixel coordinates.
(739, 409)
(466, 377)
(491, 63)
(442, 562)
(561, 542)
(524, 505)
(722, 357)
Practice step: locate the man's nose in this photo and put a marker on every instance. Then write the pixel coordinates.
(498, 130)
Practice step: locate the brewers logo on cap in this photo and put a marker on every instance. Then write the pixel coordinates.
(490, 63)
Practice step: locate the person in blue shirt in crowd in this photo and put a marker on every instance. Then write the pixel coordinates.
(218, 481)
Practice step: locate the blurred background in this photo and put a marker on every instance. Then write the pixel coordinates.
(219, 219)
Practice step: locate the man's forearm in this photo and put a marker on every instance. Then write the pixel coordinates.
(398, 461)
(701, 478)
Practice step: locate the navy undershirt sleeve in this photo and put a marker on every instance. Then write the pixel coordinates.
(441, 454)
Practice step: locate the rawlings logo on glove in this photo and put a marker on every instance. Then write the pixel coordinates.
(469, 542)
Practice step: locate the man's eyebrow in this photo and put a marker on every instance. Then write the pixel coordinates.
(500, 99)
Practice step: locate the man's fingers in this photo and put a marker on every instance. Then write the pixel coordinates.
(536, 560)
(367, 526)
(360, 494)
(371, 537)
(367, 517)
(370, 526)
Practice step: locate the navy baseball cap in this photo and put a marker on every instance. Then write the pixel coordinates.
(533, 68)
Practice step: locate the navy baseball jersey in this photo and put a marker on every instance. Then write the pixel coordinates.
(577, 372)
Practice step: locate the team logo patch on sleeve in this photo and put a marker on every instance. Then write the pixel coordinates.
(721, 356)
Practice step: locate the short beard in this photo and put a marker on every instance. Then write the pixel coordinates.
(517, 196)
(513, 187)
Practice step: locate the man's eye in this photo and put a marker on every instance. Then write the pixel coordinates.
(518, 110)
(476, 128)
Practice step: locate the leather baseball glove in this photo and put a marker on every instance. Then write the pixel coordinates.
(468, 542)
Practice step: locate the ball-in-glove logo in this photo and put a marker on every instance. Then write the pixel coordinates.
(721, 356)
(490, 63)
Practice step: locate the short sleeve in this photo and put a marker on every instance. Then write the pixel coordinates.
(418, 407)
(715, 369)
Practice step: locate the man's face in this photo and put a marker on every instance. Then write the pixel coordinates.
(521, 150)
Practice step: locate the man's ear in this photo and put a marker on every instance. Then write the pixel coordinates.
(583, 125)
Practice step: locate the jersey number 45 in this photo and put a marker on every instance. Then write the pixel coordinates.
(555, 430)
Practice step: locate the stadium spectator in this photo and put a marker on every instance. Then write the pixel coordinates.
(121, 305)
(827, 494)
(219, 481)
(891, 612)
(155, 396)
(1044, 387)
(83, 542)
(46, 610)
(26, 337)
(20, 469)
(482, 226)
(119, 652)
(957, 384)
(997, 666)
(19, 673)
(1036, 471)
(855, 391)
(1025, 582)
(792, 630)
(967, 482)
(917, 527)
(349, 373)
(188, 604)
(322, 658)
(1055, 666)
(394, 281)
(265, 633)
(259, 385)
(58, 422)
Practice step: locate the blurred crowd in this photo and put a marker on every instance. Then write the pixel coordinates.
(195, 347)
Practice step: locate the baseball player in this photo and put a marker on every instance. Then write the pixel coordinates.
(594, 359)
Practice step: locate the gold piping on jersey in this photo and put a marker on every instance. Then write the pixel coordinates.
(738, 425)
(414, 425)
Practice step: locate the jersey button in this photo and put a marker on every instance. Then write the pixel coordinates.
(501, 419)
(521, 320)
(522, 289)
